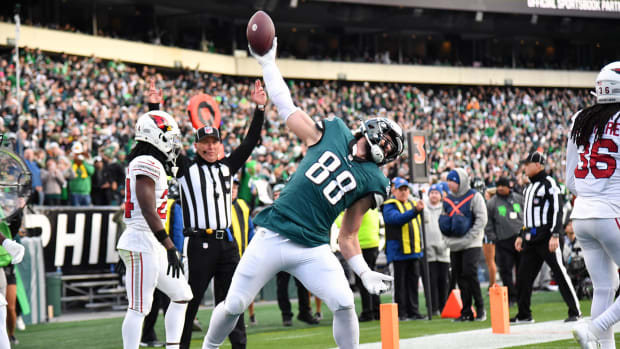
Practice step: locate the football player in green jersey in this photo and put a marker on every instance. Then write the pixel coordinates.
(340, 171)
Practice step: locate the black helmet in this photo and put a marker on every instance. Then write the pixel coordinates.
(377, 129)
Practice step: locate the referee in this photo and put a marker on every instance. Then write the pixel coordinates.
(206, 185)
(539, 240)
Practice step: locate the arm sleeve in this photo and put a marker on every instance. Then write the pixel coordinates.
(480, 212)
(489, 229)
(392, 216)
(153, 106)
(243, 152)
(278, 91)
(572, 159)
(183, 163)
(60, 178)
(143, 167)
(90, 169)
(571, 164)
(44, 175)
(556, 208)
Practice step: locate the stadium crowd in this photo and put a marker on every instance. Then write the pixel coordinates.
(74, 107)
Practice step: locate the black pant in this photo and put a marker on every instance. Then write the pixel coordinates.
(160, 301)
(465, 272)
(507, 258)
(303, 297)
(440, 283)
(406, 277)
(207, 258)
(370, 302)
(51, 200)
(532, 257)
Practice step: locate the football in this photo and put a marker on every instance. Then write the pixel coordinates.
(260, 32)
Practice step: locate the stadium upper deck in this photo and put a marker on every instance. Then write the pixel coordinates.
(549, 34)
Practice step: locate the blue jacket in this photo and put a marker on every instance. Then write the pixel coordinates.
(394, 218)
(36, 173)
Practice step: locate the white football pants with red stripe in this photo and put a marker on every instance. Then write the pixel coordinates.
(144, 272)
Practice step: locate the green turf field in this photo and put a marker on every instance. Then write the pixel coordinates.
(269, 332)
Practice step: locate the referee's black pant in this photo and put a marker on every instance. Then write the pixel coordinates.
(532, 257)
(209, 257)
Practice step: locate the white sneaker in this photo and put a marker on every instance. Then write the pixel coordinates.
(20, 323)
(585, 337)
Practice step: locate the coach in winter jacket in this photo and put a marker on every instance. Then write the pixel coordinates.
(505, 212)
(465, 250)
(473, 238)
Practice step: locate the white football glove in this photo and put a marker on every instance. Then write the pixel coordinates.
(376, 283)
(14, 249)
(267, 58)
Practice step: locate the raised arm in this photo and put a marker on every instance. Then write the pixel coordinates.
(239, 156)
(296, 119)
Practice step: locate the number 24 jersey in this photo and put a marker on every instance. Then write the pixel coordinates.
(327, 181)
(138, 236)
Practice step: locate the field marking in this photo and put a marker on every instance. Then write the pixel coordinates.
(525, 334)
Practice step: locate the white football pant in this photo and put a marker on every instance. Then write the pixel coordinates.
(144, 272)
(600, 241)
(316, 267)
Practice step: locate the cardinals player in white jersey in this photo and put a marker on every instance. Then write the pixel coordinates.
(149, 255)
(592, 174)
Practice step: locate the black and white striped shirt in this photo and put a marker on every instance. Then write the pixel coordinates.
(543, 205)
(206, 195)
(206, 187)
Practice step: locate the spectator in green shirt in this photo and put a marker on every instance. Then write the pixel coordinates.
(80, 177)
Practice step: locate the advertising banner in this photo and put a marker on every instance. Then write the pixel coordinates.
(78, 240)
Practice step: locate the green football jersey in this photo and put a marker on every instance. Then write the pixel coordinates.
(328, 180)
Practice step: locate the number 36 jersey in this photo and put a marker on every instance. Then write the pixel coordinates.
(328, 180)
(593, 174)
(138, 236)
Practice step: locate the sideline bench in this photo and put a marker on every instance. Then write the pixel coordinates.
(97, 291)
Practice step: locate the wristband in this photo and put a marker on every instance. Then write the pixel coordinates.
(358, 264)
(161, 235)
(555, 235)
(261, 107)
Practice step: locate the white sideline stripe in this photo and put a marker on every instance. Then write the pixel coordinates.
(482, 339)
(293, 336)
